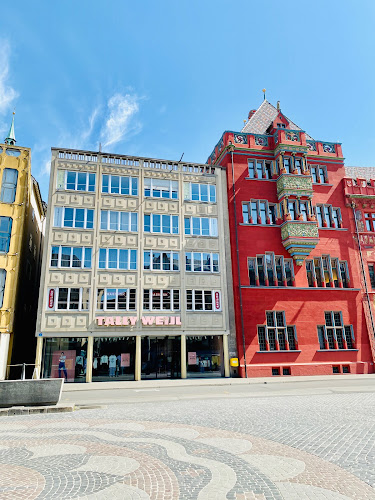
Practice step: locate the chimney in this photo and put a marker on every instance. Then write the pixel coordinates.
(278, 105)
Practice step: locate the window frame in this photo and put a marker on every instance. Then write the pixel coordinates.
(267, 168)
(3, 279)
(133, 185)
(172, 299)
(130, 222)
(319, 172)
(320, 211)
(129, 260)
(275, 259)
(170, 191)
(8, 187)
(192, 262)
(8, 234)
(344, 280)
(278, 331)
(254, 206)
(88, 184)
(130, 291)
(327, 334)
(80, 299)
(86, 255)
(152, 223)
(212, 226)
(205, 294)
(59, 218)
(172, 256)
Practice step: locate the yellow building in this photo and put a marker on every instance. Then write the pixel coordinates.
(21, 236)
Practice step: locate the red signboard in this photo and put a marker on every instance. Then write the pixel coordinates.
(51, 298)
(217, 301)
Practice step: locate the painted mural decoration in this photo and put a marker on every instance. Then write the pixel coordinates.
(240, 139)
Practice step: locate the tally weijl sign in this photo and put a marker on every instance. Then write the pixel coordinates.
(132, 320)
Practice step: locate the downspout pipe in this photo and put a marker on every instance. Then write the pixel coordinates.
(231, 149)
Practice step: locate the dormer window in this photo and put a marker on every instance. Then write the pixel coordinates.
(281, 125)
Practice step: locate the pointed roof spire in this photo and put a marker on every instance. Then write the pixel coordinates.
(11, 139)
(264, 94)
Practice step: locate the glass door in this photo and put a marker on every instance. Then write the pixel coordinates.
(161, 357)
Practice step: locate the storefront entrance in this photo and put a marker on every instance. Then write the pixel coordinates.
(161, 357)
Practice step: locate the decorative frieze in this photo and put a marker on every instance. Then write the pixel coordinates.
(294, 185)
(299, 238)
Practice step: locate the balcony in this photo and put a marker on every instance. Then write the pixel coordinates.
(299, 238)
(294, 185)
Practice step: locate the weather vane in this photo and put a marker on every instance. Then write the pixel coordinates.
(264, 94)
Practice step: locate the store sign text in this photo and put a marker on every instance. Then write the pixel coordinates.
(132, 320)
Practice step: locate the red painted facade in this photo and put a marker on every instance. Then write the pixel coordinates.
(294, 230)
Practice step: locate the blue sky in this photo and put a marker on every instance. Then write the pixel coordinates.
(159, 78)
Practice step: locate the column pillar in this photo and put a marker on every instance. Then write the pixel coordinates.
(4, 350)
(226, 356)
(89, 358)
(38, 357)
(183, 356)
(138, 354)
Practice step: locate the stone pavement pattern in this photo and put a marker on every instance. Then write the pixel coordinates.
(293, 447)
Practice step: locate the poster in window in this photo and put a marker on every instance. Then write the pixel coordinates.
(63, 365)
(125, 359)
(192, 358)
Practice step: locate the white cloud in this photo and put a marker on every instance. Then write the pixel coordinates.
(86, 134)
(7, 93)
(122, 109)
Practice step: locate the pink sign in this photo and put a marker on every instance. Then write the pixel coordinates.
(217, 301)
(192, 358)
(125, 359)
(51, 298)
(132, 320)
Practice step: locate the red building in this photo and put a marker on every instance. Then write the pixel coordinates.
(296, 269)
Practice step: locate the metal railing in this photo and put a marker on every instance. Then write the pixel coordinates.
(35, 374)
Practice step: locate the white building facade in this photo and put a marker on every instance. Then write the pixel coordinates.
(136, 274)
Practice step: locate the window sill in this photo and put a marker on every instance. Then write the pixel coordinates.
(197, 236)
(160, 198)
(332, 228)
(302, 288)
(257, 179)
(272, 352)
(322, 184)
(158, 271)
(199, 201)
(71, 191)
(257, 225)
(73, 229)
(337, 350)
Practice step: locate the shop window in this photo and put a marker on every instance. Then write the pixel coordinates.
(201, 226)
(161, 261)
(334, 334)
(203, 300)
(204, 356)
(319, 174)
(161, 188)
(116, 299)
(270, 270)
(327, 271)
(161, 300)
(328, 216)
(3, 275)
(115, 258)
(65, 358)
(259, 212)
(80, 218)
(5, 233)
(115, 184)
(371, 271)
(9, 185)
(77, 257)
(370, 221)
(76, 181)
(275, 371)
(260, 169)
(165, 224)
(202, 262)
(68, 299)
(200, 192)
(276, 335)
(118, 221)
(113, 358)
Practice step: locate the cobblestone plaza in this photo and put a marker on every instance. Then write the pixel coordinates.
(319, 447)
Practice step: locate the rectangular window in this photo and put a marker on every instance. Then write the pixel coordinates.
(157, 261)
(118, 221)
(200, 192)
(328, 216)
(161, 300)
(3, 275)
(319, 174)
(202, 262)
(298, 165)
(286, 162)
(166, 224)
(77, 181)
(203, 300)
(275, 335)
(115, 184)
(327, 270)
(9, 185)
(78, 257)
(5, 233)
(370, 221)
(201, 226)
(371, 272)
(116, 299)
(251, 165)
(275, 269)
(259, 212)
(70, 299)
(334, 334)
(161, 188)
(82, 218)
(114, 258)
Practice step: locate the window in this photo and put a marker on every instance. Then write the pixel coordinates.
(161, 300)
(200, 192)
(77, 257)
(275, 335)
(327, 271)
(202, 262)
(114, 258)
(260, 169)
(116, 184)
(82, 218)
(9, 185)
(166, 224)
(270, 270)
(319, 174)
(370, 221)
(116, 299)
(334, 334)
(76, 181)
(118, 221)
(328, 216)
(259, 212)
(203, 300)
(5, 233)
(3, 275)
(371, 272)
(160, 188)
(298, 165)
(287, 165)
(69, 299)
(161, 261)
(201, 226)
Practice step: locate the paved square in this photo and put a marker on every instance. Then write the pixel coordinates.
(319, 447)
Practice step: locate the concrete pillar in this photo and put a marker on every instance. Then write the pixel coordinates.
(183, 356)
(4, 350)
(138, 357)
(226, 356)
(38, 357)
(89, 358)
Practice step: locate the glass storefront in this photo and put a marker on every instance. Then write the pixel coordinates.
(113, 359)
(65, 358)
(161, 357)
(204, 356)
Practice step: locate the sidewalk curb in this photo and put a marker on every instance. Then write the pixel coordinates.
(33, 410)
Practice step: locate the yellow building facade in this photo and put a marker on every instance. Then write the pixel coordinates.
(21, 235)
